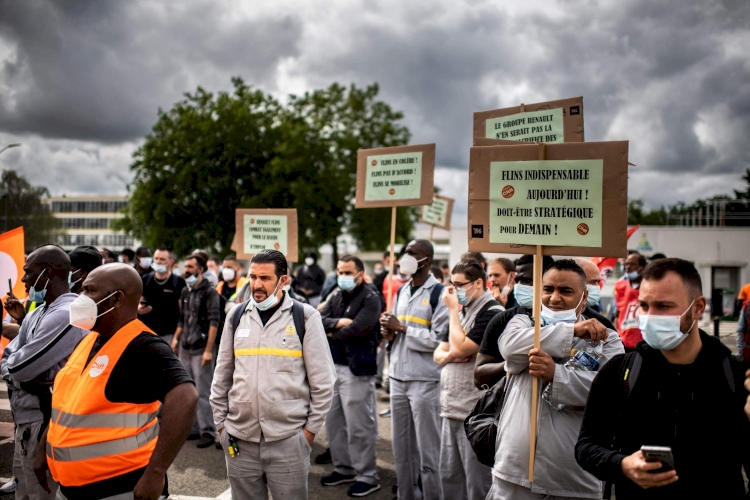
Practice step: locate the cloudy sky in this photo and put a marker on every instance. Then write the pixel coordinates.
(81, 82)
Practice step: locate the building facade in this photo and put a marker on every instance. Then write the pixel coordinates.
(87, 220)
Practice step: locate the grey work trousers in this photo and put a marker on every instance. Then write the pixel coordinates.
(462, 476)
(285, 463)
(24, 454)
(505, 490)
(121, 496)
(203, 376)
(415, 412)
(351, 427)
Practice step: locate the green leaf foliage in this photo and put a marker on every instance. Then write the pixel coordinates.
(213, 153)
(21, 204)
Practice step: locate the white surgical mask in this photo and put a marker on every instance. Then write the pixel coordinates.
(228, 274)
(551, 317)
(270, 301)
(145, 262)
(595, 293)
(409, 264)
(663, 332)
(121, 259)
(633, 275)
(83, 311)
(159, 268)
(309, 261)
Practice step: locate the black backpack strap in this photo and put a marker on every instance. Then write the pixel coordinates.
(632, 368)
(298, 315)
(435, 294)
(729, 374)
(238, 316)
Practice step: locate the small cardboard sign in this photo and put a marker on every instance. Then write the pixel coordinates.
(551, 122)
(439, 213)
(574, 202)
(261, 229)
(400, 176)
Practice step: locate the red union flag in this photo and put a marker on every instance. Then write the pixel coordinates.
(607, 264)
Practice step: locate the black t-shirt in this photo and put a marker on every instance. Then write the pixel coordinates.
(147, 370)
(476, 334)
(165, 301)
(227, 291)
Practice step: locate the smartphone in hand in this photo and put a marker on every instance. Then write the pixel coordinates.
(661, 454)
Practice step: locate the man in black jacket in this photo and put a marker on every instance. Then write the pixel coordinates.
(680, 389)
(351, 319)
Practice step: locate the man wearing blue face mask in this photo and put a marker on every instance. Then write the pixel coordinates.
(351, 318)
(678, 381)
(489, 367)
(273, 386)
(626, 298)
(31, 361)
(564, 327)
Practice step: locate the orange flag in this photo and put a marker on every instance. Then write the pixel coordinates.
(12, 259)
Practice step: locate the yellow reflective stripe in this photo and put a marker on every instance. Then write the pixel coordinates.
(268, 351)
(416, 320)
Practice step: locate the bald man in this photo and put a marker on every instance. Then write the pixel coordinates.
(593, 286)
(33, 358)
(106, 440)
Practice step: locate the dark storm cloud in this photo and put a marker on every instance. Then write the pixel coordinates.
(99, 70)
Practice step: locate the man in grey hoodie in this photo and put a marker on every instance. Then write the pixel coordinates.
(30, 362)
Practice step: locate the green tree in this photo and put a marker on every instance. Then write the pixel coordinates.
(21, 205)
(211, 154)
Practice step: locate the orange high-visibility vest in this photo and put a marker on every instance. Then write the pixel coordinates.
(91, 439)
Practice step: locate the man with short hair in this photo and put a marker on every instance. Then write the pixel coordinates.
(414, 328)
(211, 274)
(108, 256)
(83, 260)
(501, 273)
(626, 300)
(159, 308)
(106, 440)
(127, 256)
(663, 394)
(477, 256)
(214, 269)
(310, 278)
(231, 281)
(564, 328)
(143, 260)
(461, 474)
(489, 367)
(273, 386)
(351, 318)
(593, 282)
(30, 362)
(194, 339)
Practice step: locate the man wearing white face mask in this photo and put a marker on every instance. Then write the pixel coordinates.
(143, 260)
(351, 318)
(231, 282)
(418, 319)
(30, 362)
(273, 386)
(159, 308)
(564, 327)
(663, 394)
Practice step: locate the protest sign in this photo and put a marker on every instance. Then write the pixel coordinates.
(439, 213)
(401, 176)
(573, 202)
(548, 122)
(262, 229)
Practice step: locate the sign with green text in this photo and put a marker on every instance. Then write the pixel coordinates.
(395, 177)
(439, 213)
(546, 202)
(572, 202)
(266, 229)
(550, 122)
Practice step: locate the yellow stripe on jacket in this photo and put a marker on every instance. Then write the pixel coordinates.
(268, 351)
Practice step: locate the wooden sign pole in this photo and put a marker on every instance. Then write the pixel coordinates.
(537, 304)
(432, 232)
(392, 259)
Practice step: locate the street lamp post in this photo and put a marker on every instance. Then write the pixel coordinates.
(5, 192)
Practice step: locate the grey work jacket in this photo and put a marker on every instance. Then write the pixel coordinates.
(266, 382)
(411, 352)
(556, 471)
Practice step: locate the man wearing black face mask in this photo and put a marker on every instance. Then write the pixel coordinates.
(31, 361)
(83, 260)
(663, 394)
(418, 321)
(105, 440)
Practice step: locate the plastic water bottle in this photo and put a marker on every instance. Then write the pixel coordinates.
(587, 359)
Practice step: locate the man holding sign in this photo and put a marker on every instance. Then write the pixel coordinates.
(565, 381)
